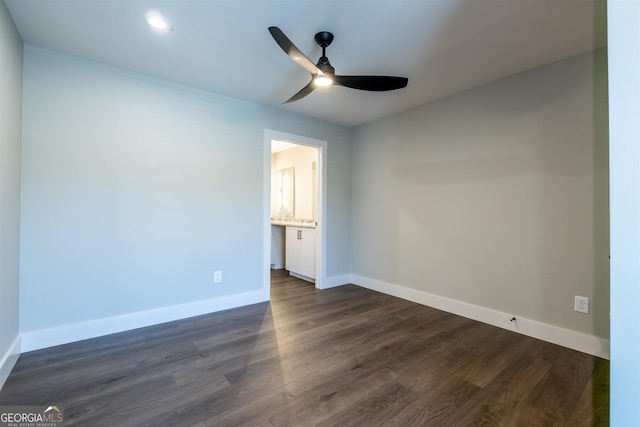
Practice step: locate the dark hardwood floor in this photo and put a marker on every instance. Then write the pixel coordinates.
(339, 357)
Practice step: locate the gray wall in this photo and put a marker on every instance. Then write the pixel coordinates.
(10, 137)
(136, 189)
(496, 197)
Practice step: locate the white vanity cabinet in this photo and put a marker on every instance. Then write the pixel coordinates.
(300, 252)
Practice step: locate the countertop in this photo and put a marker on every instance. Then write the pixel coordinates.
(284, 222)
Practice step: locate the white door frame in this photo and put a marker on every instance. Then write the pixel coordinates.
(321, 231)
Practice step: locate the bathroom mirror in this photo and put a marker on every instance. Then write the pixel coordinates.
(285, 190)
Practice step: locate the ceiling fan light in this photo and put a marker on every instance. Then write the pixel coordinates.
(323, 80)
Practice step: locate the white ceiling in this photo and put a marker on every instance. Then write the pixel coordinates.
(442, 46)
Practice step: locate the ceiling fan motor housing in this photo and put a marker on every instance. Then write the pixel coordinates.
(325, 66)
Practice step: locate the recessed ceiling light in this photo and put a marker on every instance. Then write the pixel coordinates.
(157, 21)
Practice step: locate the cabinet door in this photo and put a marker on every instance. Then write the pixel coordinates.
(308, 251)
(292, 250)
(300, 252)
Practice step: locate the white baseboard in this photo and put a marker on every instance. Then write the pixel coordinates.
(35, 340)
(554, 334)
(9, 360)
(333, 281)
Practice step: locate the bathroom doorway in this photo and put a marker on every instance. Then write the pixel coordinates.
(294, 200)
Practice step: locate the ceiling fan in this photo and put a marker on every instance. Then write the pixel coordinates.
(323, 74)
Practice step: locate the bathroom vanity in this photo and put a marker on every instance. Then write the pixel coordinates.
(299, 247)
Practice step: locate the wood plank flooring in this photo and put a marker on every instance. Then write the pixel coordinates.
(339, 357)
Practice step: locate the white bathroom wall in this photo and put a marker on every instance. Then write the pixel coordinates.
(301, 159)
(136, 189)
(494, 203)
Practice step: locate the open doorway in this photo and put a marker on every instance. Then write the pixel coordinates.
(294, 207)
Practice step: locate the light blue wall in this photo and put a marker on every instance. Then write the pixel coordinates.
(624, 99)
(10, 127)
(136, 189)
(495, 197)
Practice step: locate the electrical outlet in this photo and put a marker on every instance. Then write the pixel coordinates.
(581, 304)
(217, 276)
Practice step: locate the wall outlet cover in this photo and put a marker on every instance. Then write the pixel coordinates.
(581, 304)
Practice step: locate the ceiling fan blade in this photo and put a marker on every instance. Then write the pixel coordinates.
(372, 83)
(303, 92)
(291, 50)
